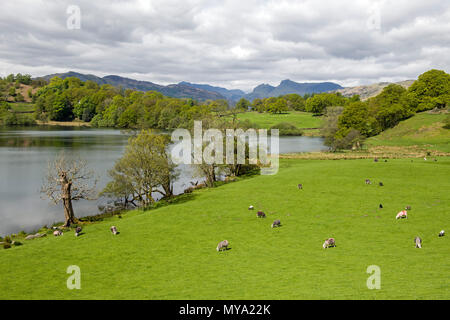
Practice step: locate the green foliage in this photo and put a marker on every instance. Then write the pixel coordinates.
(277, 106)
(144, 169)
(447, 122)
(319, 102)
(295, 102)
(287, 129)
(243, 104)
(431, 90)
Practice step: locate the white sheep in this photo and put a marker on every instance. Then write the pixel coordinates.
(329, 243)
(223, 245)
(114, 230)
(418, 242)
(442, 233)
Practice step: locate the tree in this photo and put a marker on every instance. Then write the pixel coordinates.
(278, 106)
(330, 126)
(145, 168)
(243, 104)
(431, 90)
(68, 180)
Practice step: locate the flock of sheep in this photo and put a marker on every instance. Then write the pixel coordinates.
(78, 230)
(330, 242)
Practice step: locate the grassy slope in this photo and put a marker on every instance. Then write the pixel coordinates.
(169, 253)
(423, 130)
(266, 120)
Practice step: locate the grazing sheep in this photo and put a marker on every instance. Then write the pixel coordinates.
(260, 214)
(368, 181)
(442, 233)
(418, 242)
(77, 231)
(300, 186)
(381, 184)
(57, 233)
(425, 158)
(381, 206)
(375, 160)
(402, 214)
(276, 223)
(114, 230)
(329, 243)
(408, 208)
(250, 208)
(223, 245)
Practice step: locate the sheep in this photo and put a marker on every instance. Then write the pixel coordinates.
(381, 206)
(77, 231)
(408, 208)
(381, 184)
(300, 186)
(418, 242)
(442, 233)
(375, 160)
(260, 214)
(57, 233)
(368, 181)
(329, 243)
(276, 223)
(114, 230)
(250, 208)
(223, 245)
(402, 214)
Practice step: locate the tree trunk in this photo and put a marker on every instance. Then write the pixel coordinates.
(69, 216)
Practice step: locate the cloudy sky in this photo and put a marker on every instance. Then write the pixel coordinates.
(235, 44)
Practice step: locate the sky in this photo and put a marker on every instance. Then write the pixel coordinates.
(233, 44)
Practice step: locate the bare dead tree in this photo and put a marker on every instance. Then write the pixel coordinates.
(68, 180)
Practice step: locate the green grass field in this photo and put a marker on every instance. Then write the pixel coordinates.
(423, 130)
(170, 252)
(266, 120)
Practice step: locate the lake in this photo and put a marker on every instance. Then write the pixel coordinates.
(25, 152)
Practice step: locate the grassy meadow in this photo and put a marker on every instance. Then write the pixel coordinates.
(424, 130)
(302, 120)
(170, 252)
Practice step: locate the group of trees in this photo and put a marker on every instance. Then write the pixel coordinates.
(108, 106)
(346, 127)
(145, 170)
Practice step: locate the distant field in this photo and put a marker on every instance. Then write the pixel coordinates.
(170, 252)
(423, 130)
(22, 107)
(266, 120)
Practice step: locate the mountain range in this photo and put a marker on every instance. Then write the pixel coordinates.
(204, 92)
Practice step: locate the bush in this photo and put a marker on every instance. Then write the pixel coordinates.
(447, 122)
(287, 129)
(6, 246)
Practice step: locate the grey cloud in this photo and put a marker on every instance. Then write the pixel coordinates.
(229, 43)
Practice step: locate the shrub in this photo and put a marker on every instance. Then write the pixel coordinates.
(287, 129)
(6, 246)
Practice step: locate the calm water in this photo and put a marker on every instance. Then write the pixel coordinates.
(24, 154)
